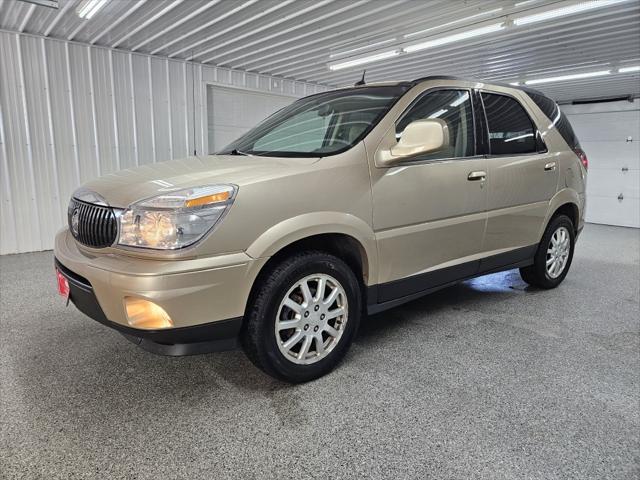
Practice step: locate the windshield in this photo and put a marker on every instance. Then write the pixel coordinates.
(320, 125)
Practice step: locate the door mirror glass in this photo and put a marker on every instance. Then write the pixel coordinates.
(422, 137)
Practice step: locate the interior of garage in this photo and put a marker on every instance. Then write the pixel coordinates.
(489, 378)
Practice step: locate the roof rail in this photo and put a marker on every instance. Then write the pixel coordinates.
(463, 79)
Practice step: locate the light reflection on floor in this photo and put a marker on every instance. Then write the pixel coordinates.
(498, 282)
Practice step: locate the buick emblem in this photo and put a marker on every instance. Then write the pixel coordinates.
(75, 217)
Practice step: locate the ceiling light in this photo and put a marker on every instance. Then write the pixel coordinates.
(629, 69)
(561, 12)
(574, 76)
(365, 47)
(460, 20)
(363, 60)
(89, 8)
(515, 84)
(454, 38)
(525, 2)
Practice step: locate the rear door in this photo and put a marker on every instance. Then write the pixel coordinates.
(522, 177)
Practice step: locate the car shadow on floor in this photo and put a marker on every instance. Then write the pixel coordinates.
(85, 358)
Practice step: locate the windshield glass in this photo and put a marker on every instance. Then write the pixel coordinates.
(319, 125)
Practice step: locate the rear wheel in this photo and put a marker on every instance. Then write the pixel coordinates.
(554, 255)
(303, 317)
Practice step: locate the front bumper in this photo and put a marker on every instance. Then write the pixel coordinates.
(205, 297)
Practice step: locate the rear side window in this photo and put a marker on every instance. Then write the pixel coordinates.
(558, 119)
(511, 131)
(454, 108)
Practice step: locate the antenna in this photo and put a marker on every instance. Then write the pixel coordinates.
(361, 81)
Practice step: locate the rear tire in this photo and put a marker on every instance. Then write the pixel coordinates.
(303, 317)
(553, 258)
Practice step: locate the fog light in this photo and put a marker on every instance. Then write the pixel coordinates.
(145, 314)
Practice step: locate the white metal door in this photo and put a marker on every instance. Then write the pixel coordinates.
(232, 112)
(610, 135)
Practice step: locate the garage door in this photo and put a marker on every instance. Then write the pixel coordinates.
(232, 112)
(610, 135)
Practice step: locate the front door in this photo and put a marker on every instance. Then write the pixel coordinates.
(429, 212)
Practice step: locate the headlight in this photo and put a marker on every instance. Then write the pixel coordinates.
(175, 219)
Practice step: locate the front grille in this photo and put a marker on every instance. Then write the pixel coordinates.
(94, 225)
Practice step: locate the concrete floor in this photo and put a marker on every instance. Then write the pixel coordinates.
(488, 379)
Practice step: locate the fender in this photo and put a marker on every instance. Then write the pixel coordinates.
(303, 226)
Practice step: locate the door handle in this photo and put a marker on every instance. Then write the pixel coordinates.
(475, 176)
(550, 166)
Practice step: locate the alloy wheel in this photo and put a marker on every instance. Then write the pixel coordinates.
(558, 252)
(311, 319)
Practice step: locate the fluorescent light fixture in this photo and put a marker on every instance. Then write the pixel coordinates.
(365, 47)
(561, 12)
(562, 78)
(460, 20)
(456, 37)
(89, 8)
(362, 60)
(515, 84)
(629, 69)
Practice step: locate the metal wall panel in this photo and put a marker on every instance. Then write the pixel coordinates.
(70, 112)
(124, 110)
(24, 231)
(177, 103)
(160, 103)
(143, 112)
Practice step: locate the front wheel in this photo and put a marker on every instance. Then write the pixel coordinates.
(554, 255)
(303, 317)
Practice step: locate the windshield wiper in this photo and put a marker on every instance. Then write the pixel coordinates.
(235, 151)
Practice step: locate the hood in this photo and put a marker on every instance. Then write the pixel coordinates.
(122, 188)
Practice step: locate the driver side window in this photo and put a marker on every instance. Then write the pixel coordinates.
(454, 108)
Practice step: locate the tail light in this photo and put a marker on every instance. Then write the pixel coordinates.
(582, 156)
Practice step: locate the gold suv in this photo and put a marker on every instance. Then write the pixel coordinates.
(344, 203)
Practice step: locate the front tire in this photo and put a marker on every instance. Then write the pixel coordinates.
(303, 317)
(553, 258)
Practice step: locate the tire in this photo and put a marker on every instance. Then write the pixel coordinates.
(277, 352)
(538, 274)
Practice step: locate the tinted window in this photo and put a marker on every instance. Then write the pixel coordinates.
(557, 118)
(454, 108)
(510, 128)
(320, 125)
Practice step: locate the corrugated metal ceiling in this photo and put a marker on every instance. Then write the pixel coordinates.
(299, 38)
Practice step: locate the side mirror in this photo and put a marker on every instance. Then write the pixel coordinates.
(420, 137)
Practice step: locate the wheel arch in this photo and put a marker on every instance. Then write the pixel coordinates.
(566, 202)
(345, 236)
(570, 210)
